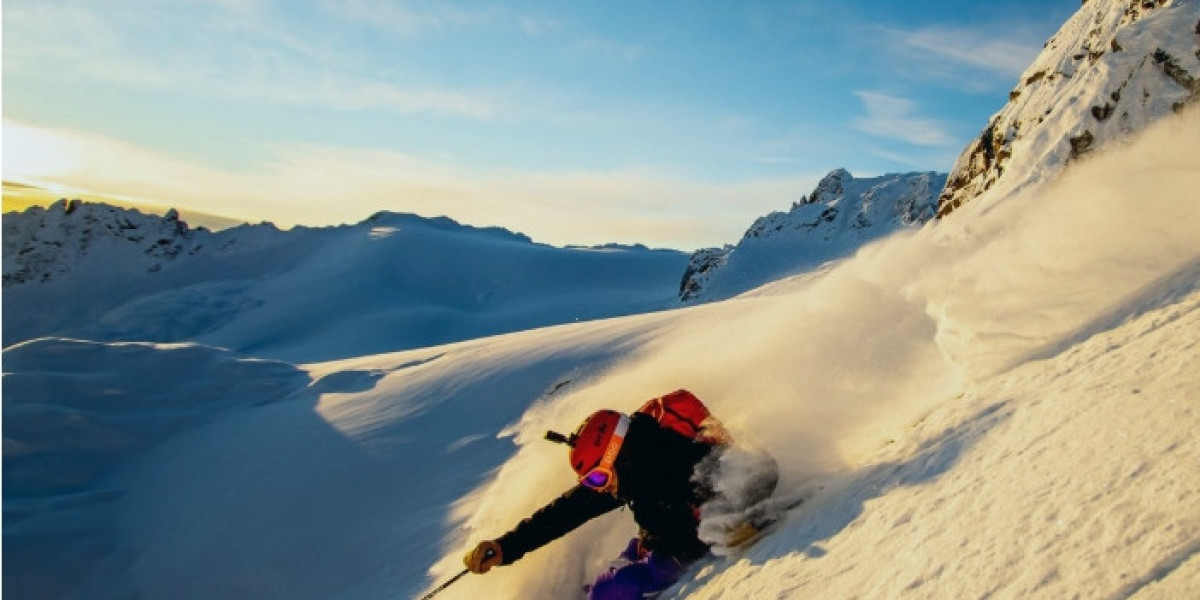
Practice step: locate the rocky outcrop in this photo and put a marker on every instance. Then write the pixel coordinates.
(702, 263)
(1115, 67)
(841, 214)
(41, 244)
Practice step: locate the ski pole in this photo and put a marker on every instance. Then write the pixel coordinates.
(487, 554)
(445, 585)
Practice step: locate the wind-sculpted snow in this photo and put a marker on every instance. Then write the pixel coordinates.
(75, 413)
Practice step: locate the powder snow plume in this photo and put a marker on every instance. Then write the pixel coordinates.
(827, 368)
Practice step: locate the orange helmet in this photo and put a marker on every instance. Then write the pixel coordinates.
(590, 442)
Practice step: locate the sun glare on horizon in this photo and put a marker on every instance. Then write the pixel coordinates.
(37, 156)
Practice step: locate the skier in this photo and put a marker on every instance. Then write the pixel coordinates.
(647, 461)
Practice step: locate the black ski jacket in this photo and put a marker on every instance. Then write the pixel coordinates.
(654, 472)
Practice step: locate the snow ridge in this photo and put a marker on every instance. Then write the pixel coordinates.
(42, 244)
(45, 244)
(840, 215)
(1115, 67)
(391, 282)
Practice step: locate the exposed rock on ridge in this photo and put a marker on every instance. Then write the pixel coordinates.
(1115, 67)
(43, 243)
(840, 214)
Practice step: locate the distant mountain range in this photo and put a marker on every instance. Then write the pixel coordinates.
(1115, 67)
(391, 282)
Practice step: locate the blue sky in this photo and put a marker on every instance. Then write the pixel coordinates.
(668, 123)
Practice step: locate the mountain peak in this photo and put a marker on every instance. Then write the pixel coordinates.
(41, 244)
(442, 223)
(830, 187)
(1112, 69)
(841, 214)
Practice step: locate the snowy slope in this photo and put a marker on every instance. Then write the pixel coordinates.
(74, 413)
(998, 405)
(1072, 477)
(400, 281)
(838, 217)
(76, 261)
(391, 282)
(1114, 68)
(1002, 405)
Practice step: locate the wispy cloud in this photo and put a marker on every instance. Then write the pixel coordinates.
(968, 58)
(893, 117)
(227, 54)
(606, 49)
(915, 160)
(333, 92)
(404, 18)
(322, 185)
(539, 26)
(973, 49)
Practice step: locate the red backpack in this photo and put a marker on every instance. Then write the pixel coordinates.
(682, 412)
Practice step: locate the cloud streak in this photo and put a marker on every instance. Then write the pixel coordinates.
(893, 117)
(231, 54)
(323, 185)
(973, 59)
(401, 18)
(971, 49)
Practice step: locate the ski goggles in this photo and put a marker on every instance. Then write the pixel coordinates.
(603, 477)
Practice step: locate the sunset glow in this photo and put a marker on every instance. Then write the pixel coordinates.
(672, 125)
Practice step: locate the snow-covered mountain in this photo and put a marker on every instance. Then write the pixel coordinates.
(43, 243)
(75, 261)
(842, 214)
(392, 282)
(1115, 67)
(1001, 404)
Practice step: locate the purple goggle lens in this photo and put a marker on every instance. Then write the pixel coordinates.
(596, 479)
